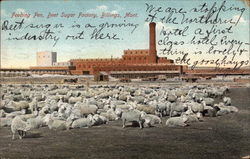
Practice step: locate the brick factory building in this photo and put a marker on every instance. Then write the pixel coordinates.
(134, 63)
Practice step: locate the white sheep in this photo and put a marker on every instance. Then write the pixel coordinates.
(163, 108)
(177, 121)
(33, 105)
(150, 120)
(86, 109)
(19, 105)
(64, 111)
(209, 101)
(177, 108)
(5, 122)
(171, 97)
(35, 122)
(83, 122)
(16, 113)
(20, 126)
(197, 107)
(146, 108)
(110, 115)
(227, 101)
(131, 116)
(225, 109)
(73, 100)
(2, 113)
(98, 119)
(59, 124)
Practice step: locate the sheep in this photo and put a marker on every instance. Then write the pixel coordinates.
(110, 115)
(233, 109)
(147, 109)
(83, 122)
(2, 113)
(64, 111)
(131, 116)
(35, 122)
(138, 99)
(33, 105)
(17, 98)
(222, 111)
(73, 100)
(62, 91)
(123, 106)
(2, 103)
(227, 101)
(98, 119)
(181, 92)
(73, 93)
(118, 112)
(59, 124)
(41, 104)
(19, 105)
(48, 118)
(177, 121)
(218, 92)
(25, 117)
(209, 101)
(4, 122)
(177, 108)
(150, 120)
(191, 117)
(45, 110)
(171, 98)
(226, 110)
(197, 107)
(198, 97)
(163, 108)
(86, 109)
(53, 105)
(75, 113)
(16, 113)
(39, 97)
(123, 97)
(20, 126)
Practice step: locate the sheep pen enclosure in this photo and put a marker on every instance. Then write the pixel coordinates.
(227, 135)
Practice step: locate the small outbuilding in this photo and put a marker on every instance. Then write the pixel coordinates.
(101, 76)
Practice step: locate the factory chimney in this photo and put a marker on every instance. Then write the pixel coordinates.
(152, 43)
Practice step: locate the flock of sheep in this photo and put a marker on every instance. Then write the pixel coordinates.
(61, 107)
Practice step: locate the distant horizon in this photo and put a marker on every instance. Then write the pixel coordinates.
(222, 67)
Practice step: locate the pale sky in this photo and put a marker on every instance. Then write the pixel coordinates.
(22, 53)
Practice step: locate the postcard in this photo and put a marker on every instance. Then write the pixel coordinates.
(146, 78)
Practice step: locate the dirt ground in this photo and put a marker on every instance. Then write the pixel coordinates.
(225, 137)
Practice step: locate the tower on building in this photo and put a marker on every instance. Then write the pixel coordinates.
(152, 43)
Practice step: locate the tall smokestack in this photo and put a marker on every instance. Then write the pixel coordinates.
(152, 43)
